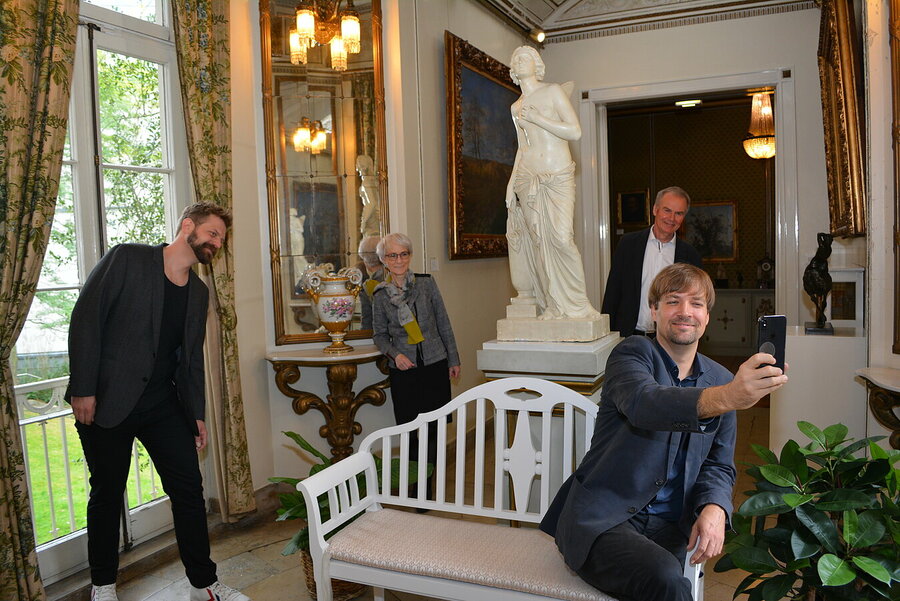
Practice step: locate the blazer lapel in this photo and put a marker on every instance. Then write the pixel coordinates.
(637, 264)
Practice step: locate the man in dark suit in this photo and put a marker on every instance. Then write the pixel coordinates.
(657, 480)
(640, 256)
(136, 357)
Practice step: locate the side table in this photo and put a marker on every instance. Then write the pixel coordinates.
(340, 406)
(883, 384)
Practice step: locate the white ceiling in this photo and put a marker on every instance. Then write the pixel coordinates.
(564, 20)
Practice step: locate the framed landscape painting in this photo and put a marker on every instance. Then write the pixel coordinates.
(711, 228)
(481, 149)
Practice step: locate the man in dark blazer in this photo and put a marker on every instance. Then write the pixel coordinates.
(657, 480)
(640, 256)
(137, 371)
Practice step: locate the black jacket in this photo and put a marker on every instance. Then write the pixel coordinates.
(114, 335)
(622, 299)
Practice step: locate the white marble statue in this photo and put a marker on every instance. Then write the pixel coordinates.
(544, 262)
(370, 222)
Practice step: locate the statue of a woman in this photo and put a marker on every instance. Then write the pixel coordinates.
(544, 262)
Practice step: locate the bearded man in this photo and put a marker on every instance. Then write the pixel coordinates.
(136, 360)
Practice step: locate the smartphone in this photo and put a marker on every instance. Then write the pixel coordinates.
(771, 336)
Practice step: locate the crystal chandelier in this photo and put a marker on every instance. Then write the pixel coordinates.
(310, 137)
(760, 142)
(321, 22)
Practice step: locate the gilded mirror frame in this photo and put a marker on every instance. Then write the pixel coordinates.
(276, 204)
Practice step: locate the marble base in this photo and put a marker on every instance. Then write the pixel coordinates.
(577, 365)
(522, 324)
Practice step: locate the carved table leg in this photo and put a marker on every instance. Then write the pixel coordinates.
(340, 406)
(882, 403)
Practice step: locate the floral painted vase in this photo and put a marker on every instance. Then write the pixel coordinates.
(334, 295)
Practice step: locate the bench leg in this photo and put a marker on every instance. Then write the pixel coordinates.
(377, 593)
(323, 589)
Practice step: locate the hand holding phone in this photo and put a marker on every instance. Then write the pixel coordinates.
(772, 330)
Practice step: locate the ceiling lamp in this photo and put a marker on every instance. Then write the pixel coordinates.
(298, 49)
(760, 141)
(321, 22)
(310, 136)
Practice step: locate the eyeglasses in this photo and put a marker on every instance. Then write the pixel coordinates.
(394, 256)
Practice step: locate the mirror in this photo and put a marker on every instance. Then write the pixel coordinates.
(326, 176)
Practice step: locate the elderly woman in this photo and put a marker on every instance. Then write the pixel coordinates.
(412, 329)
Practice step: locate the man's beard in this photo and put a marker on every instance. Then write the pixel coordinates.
(683, 338)
(200, 250)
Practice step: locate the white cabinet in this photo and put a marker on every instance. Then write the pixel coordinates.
(732, 321)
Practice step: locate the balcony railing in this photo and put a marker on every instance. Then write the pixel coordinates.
(54, 462)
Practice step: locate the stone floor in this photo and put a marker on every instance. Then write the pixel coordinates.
(251, 559)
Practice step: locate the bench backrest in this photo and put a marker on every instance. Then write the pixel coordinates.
(516, 441)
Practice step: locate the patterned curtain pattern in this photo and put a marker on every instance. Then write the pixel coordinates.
(201, 42)
(37, 52)
(363, 86)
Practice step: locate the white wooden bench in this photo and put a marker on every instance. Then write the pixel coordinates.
(459, 551)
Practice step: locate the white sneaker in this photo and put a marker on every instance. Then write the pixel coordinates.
(107, 592)
(215, 592)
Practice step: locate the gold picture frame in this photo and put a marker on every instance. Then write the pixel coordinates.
(895, 98)
(481, 148)
(838, 73)
(712, 229)
(633, 209)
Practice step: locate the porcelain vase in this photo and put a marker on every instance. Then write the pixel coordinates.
(334, 295)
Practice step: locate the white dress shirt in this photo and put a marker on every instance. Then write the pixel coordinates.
(657, 255)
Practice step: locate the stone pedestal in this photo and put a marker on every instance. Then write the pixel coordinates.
(522, 324)
(576, 365)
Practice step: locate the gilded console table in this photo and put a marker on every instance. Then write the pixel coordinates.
(340, 406)
(884, 398)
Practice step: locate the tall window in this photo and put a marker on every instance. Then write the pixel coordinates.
(124, 179)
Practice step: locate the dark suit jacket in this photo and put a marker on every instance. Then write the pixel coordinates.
(622, 299)
(642, 418)
(114, 335)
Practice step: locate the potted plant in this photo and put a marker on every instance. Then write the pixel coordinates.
(293, 506)
(827, 523)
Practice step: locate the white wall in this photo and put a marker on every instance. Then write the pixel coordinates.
(782, 41)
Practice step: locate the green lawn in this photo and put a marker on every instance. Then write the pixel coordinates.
(43, 483)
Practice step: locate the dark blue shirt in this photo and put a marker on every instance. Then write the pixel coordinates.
(669, 501)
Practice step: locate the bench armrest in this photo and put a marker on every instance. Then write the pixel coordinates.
(351, 486)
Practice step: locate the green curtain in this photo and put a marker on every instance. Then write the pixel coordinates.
(201, 42)
(37, 52)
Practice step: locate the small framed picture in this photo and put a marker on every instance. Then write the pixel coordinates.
(633, 208)
(846, 301)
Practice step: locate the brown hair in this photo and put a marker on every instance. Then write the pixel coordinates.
(681, 277)
(200, 211)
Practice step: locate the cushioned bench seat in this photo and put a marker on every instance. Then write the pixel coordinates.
(522, 559)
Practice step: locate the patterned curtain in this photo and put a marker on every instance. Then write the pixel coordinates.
(37, 52)
(201, 42)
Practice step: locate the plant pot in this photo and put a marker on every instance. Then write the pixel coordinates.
(343, 590)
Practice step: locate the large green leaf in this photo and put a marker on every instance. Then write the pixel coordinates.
(764, 453)
(301, 442)
(764, 503)
(869, 530)
(778, 475)
(724, 564)
(855, 446)
(820, 525)
(842, 499)
(775, 589)
(877, 452)
(297, 542)
(834, 571)
(835, 435)
(851, 526)
(745, 584)
(795, 500)
(875, 472)
(754, 560)
(804, 544)
(794, 460)
(812, 432)
(872, 568)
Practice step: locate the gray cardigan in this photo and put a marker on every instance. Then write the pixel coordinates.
(427, 305)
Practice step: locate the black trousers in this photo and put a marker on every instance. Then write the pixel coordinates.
(418, 390)
(170, 443)
(639, 560)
